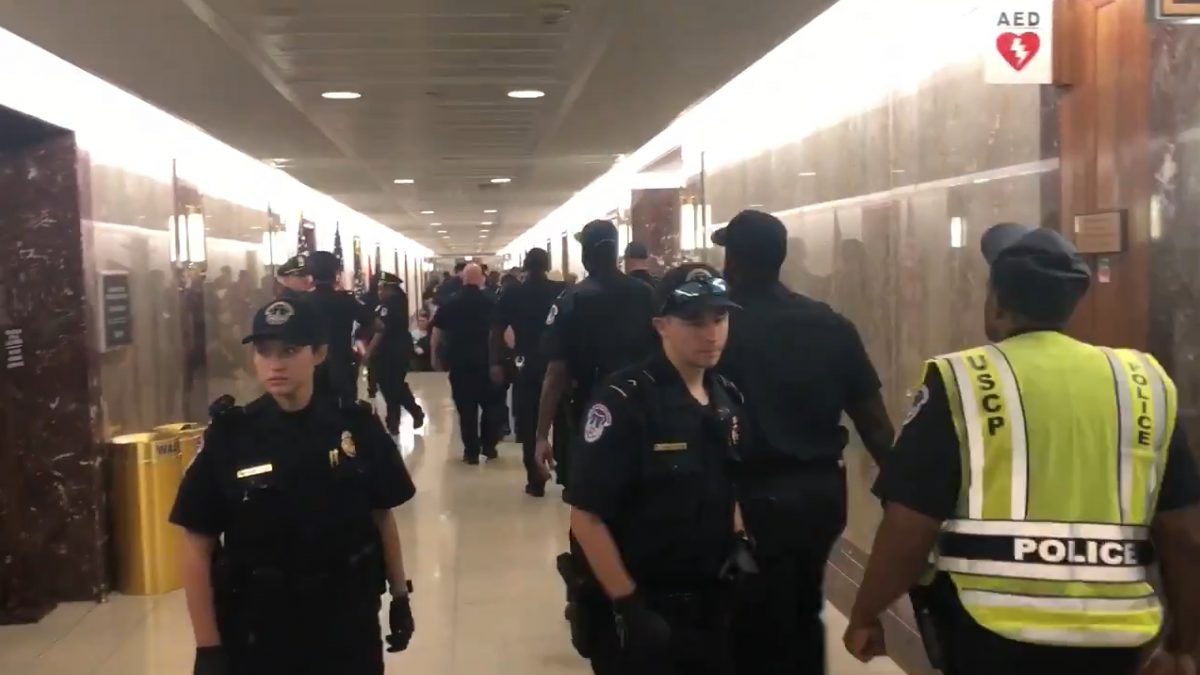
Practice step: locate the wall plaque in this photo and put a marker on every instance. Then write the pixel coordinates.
(117, 324)
(1099, 233)
(1169, 9)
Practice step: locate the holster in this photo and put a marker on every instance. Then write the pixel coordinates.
(578, 584)
(922, 603)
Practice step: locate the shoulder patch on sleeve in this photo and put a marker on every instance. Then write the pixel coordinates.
(599, 418)
(383, 311)
(920, 398)
(552, 315)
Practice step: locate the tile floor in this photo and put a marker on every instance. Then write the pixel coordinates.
(481, 554)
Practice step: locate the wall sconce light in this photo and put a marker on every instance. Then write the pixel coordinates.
(958, 232)
(187, 238)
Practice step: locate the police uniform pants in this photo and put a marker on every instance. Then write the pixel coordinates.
(293, 639)
(476, 399)
(396, 392)
(699, 642)
(339, 380)
(795, 516)
(527, 395)
(970, 649)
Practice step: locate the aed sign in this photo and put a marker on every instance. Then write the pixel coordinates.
(1018, 42)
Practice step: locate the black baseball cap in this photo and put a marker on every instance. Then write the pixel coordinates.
(292, 321)
(323, 265)
(690, 289)
(636, 250)
(597, 232)
(755, 237)
(389, 279)
(296, 266)
(1035, 271)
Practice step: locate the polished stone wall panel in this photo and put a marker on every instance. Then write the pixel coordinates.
(869, 202)
(50, 496)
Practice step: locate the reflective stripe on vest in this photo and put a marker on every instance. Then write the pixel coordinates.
(1050, 578)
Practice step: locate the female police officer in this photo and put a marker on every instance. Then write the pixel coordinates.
(300, 489)
(654, 511)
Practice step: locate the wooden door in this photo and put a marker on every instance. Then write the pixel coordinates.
(1104, 55)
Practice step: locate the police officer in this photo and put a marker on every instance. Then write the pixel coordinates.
(652, 496)
(337, 311)
(390, 352)
(468, 319)
(596, 327)
(524, 308)
(294, 279)
(637, 263)
(1048, 474)
(289, 536)
(802, 366)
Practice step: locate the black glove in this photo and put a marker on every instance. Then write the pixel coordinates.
(400, 619)
(740, 562)
(642, 631)
(211, 661)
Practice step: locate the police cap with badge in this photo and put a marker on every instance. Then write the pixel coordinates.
(296, 266)
(1035, 272)
(294, 323)
(389, 279)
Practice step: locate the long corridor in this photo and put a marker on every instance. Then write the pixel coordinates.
(480, 552)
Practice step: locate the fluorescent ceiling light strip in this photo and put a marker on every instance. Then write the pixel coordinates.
(118, 129)
(771, 103)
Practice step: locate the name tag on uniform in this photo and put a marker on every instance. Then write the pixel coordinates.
(670, 447)
(255, 471)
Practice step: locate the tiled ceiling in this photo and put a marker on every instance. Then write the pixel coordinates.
(434, 77)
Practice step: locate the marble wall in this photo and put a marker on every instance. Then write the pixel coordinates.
(1175, 213)
(51, 499)
(885, 210)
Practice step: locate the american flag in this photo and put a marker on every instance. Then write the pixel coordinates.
(337, 242)
(302, 236)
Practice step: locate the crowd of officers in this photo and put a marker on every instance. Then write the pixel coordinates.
(1036, 483)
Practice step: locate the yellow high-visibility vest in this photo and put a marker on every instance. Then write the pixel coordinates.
(1064, 446)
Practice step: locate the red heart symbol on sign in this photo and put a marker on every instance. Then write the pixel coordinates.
(1018, 50)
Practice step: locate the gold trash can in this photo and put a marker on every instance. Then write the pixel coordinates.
(147, 469)
(190, 436)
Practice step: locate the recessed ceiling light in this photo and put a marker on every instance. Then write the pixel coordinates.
(491, 211)
(404, 181)
(485, 230)
(341, 95)
(428, 212)
(501, 181)
(526, 93)
(441, 232)
(435, 224)
(487, 222)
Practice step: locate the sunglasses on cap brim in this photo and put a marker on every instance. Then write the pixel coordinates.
(696, 290)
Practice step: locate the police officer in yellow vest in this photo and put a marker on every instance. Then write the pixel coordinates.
(1045, 477)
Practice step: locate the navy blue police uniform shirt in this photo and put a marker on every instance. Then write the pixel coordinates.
(600, 325)
(923, 470)
(525, 307)
(467, 319)
(338, 312)
(311, 459)
(800, 364)
(396, 343)
(656, 466)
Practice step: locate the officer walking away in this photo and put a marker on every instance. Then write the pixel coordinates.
(801, 366)
(468, 318)
(637, 263)
(595, 328)
(1048, 475)
(294, 280)
(390, 353)
(524, 307)
(450, 287)
(337, 312)
(288, 531)
(652, 496)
